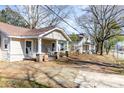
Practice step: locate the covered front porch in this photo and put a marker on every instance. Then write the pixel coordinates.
(50, 44)
(50, 48)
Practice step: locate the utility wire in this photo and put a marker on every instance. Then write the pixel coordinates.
(61, 18)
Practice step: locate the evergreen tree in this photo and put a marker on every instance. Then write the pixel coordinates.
(9, 16)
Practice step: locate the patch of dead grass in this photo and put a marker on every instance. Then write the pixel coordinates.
(97, 63)
(95, 58)
(13, 83)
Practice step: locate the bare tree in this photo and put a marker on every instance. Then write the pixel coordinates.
(101, 23)
(33, 15)
(39, 16)
(62, 11)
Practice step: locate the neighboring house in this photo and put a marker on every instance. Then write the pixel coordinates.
(17, 43)
(118, 50)
(84, 44)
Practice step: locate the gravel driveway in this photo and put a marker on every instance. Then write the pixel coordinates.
(99, 80)
(59, 76)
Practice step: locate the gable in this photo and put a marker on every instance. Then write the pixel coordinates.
(55, 35)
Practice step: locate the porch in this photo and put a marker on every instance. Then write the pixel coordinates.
(50, 48)
(40, 47)
(88, 48)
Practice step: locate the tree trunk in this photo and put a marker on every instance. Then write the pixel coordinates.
(108, 49)
(101, 48)
(97, 48)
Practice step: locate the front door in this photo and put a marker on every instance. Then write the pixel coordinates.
(28, 49)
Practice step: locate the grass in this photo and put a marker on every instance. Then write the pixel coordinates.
(12, 83)
(121, 70)
(120, 62)
(118, 71)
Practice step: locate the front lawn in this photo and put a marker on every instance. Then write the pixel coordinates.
(97, 63)
(59, 73)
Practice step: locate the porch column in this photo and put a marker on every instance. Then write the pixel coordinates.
(67, 48)
(39, 53)
(56, 46)
(90, 48)
(81, 47)
(57, 53)
(39, 45)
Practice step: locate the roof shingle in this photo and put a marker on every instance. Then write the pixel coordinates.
(20, 31)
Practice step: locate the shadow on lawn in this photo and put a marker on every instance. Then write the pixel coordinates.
(36, 77)
(71, 60)
(30, 79)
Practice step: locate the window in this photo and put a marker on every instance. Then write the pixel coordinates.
(5, 43)
(62, 46)
(53, 46)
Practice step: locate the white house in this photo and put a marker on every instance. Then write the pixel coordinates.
(17, 43)
(84, 44)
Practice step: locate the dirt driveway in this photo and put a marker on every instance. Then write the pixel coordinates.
(55, 75)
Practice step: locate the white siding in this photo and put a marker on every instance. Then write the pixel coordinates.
(79, 44)
(4, 54)
(17, 46)
(16, 49)
(55, 35)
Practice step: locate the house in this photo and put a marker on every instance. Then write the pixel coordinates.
(18, 43)
(84, 44)
(117, 49)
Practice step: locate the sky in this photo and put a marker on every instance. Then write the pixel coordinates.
(2, 7)
(76, 12)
